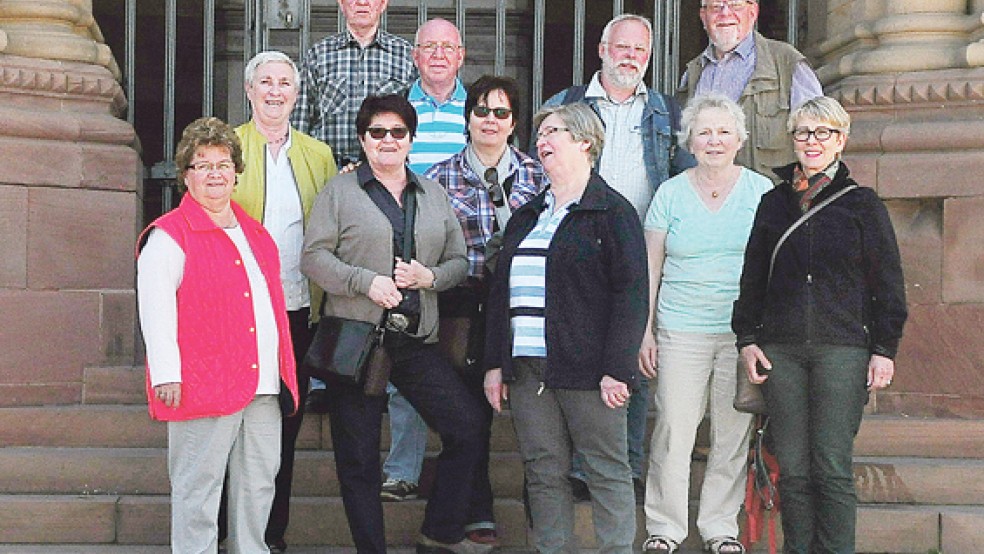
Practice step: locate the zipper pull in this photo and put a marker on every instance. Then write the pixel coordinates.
(539, 391)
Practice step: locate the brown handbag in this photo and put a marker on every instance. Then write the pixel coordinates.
(748, 395)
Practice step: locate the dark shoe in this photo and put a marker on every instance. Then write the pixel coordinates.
(640, 491)
(317, 402)
(483, 536)
(580, 490)
(398, 491)
(426, 545)
(278, 546)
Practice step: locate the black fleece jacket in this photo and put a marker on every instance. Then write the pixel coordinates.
(837, 278)
(597, 285)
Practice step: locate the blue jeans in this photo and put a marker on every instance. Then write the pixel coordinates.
(636, 438)
(408, 439)
(816, 395)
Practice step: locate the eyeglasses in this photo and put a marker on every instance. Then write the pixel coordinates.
(431, 47)
(208, 167)
(802, 134)
(547, 131)
(484, 111)
(623, 48)
(718, 7)
(379, 133)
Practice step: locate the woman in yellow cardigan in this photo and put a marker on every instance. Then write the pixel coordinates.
(284, 170)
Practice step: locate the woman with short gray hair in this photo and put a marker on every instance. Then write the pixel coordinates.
(696, 230)
(566, 312)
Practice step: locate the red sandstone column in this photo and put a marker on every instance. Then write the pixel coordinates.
(69, 197)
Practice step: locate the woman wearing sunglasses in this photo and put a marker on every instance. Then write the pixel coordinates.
(353, 249)
(823, 310)
(485, 182)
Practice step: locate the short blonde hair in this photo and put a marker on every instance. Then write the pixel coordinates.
(821, 108)
(204, 132)
(582, 123)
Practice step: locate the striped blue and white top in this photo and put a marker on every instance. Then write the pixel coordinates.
(440, 127)
(528, 285)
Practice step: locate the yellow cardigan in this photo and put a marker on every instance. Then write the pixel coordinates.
(312, 163)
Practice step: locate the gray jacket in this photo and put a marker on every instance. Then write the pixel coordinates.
(349, 241)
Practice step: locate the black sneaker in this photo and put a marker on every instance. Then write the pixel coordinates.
(398, 491)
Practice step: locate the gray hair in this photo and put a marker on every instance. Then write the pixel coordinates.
(582, 123)
(607, 31)
(703, 102)
(269, 56)
(824, 109)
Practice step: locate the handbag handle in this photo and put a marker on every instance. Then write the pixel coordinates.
(800, 221)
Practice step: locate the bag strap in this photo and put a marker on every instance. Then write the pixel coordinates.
(800, 221)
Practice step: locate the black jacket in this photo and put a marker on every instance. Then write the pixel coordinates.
(837, 278)
(596, 285)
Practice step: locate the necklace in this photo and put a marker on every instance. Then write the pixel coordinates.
(280, 140)
(705, 185)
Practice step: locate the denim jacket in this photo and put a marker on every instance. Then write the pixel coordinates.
(661, 119)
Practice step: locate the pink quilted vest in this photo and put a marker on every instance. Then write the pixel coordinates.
(219, 360)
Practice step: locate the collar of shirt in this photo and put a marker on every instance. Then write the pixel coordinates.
(595, 90)
(366, 177)
(417, 93)
(506, 166)
(345, 39)
(283, 148)
(745, 50)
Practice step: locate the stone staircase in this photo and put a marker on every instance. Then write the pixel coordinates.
(96, 474)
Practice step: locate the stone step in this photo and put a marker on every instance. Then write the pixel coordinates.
(113, 520)
(920, 437)
(134, 471)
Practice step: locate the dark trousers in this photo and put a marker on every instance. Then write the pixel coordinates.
(301, 334)
(480, 508)
(816, 395)
(441, 398)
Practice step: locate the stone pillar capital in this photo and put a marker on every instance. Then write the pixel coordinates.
(54, 29)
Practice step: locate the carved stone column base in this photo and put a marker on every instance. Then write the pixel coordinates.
(69, 204)
(917, 138)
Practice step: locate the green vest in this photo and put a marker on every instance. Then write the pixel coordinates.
(765, 101)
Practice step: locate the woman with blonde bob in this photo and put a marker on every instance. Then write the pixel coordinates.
(566, 312)
(696, 230)
(822, 313)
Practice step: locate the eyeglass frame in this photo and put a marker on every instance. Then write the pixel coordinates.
(499, 113)
(379, 133)
(803, 134)
(550, 130)
(430, 48)
(208, 167)
(717, 6)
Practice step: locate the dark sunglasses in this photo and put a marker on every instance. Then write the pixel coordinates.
(484, 111)
(379, 133)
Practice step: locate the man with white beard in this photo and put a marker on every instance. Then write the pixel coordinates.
(767, 78)
(640, 152)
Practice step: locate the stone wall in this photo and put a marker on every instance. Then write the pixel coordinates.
(910, 74)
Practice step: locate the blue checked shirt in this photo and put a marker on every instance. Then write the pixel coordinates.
(337, 74)
(470, 198)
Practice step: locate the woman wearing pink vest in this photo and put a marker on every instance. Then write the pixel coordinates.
(220, 366)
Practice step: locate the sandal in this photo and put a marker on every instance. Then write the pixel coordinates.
(658, 544)
(724, 545)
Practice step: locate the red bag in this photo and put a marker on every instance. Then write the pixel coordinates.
(761, 490)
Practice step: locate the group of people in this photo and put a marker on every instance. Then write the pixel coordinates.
(633, 255)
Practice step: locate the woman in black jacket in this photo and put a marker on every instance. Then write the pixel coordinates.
(822, 315)
(566, 312)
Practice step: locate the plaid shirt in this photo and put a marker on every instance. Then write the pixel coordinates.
(337, 74)
(470, 199)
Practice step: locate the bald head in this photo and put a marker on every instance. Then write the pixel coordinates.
(438, 55)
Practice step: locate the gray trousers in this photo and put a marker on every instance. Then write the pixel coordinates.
(549, 425)
(199, 451)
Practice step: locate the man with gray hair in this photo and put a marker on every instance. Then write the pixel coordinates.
(640, 153)
(767, 78)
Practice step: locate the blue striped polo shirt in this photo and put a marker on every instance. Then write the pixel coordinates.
(440, 127)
